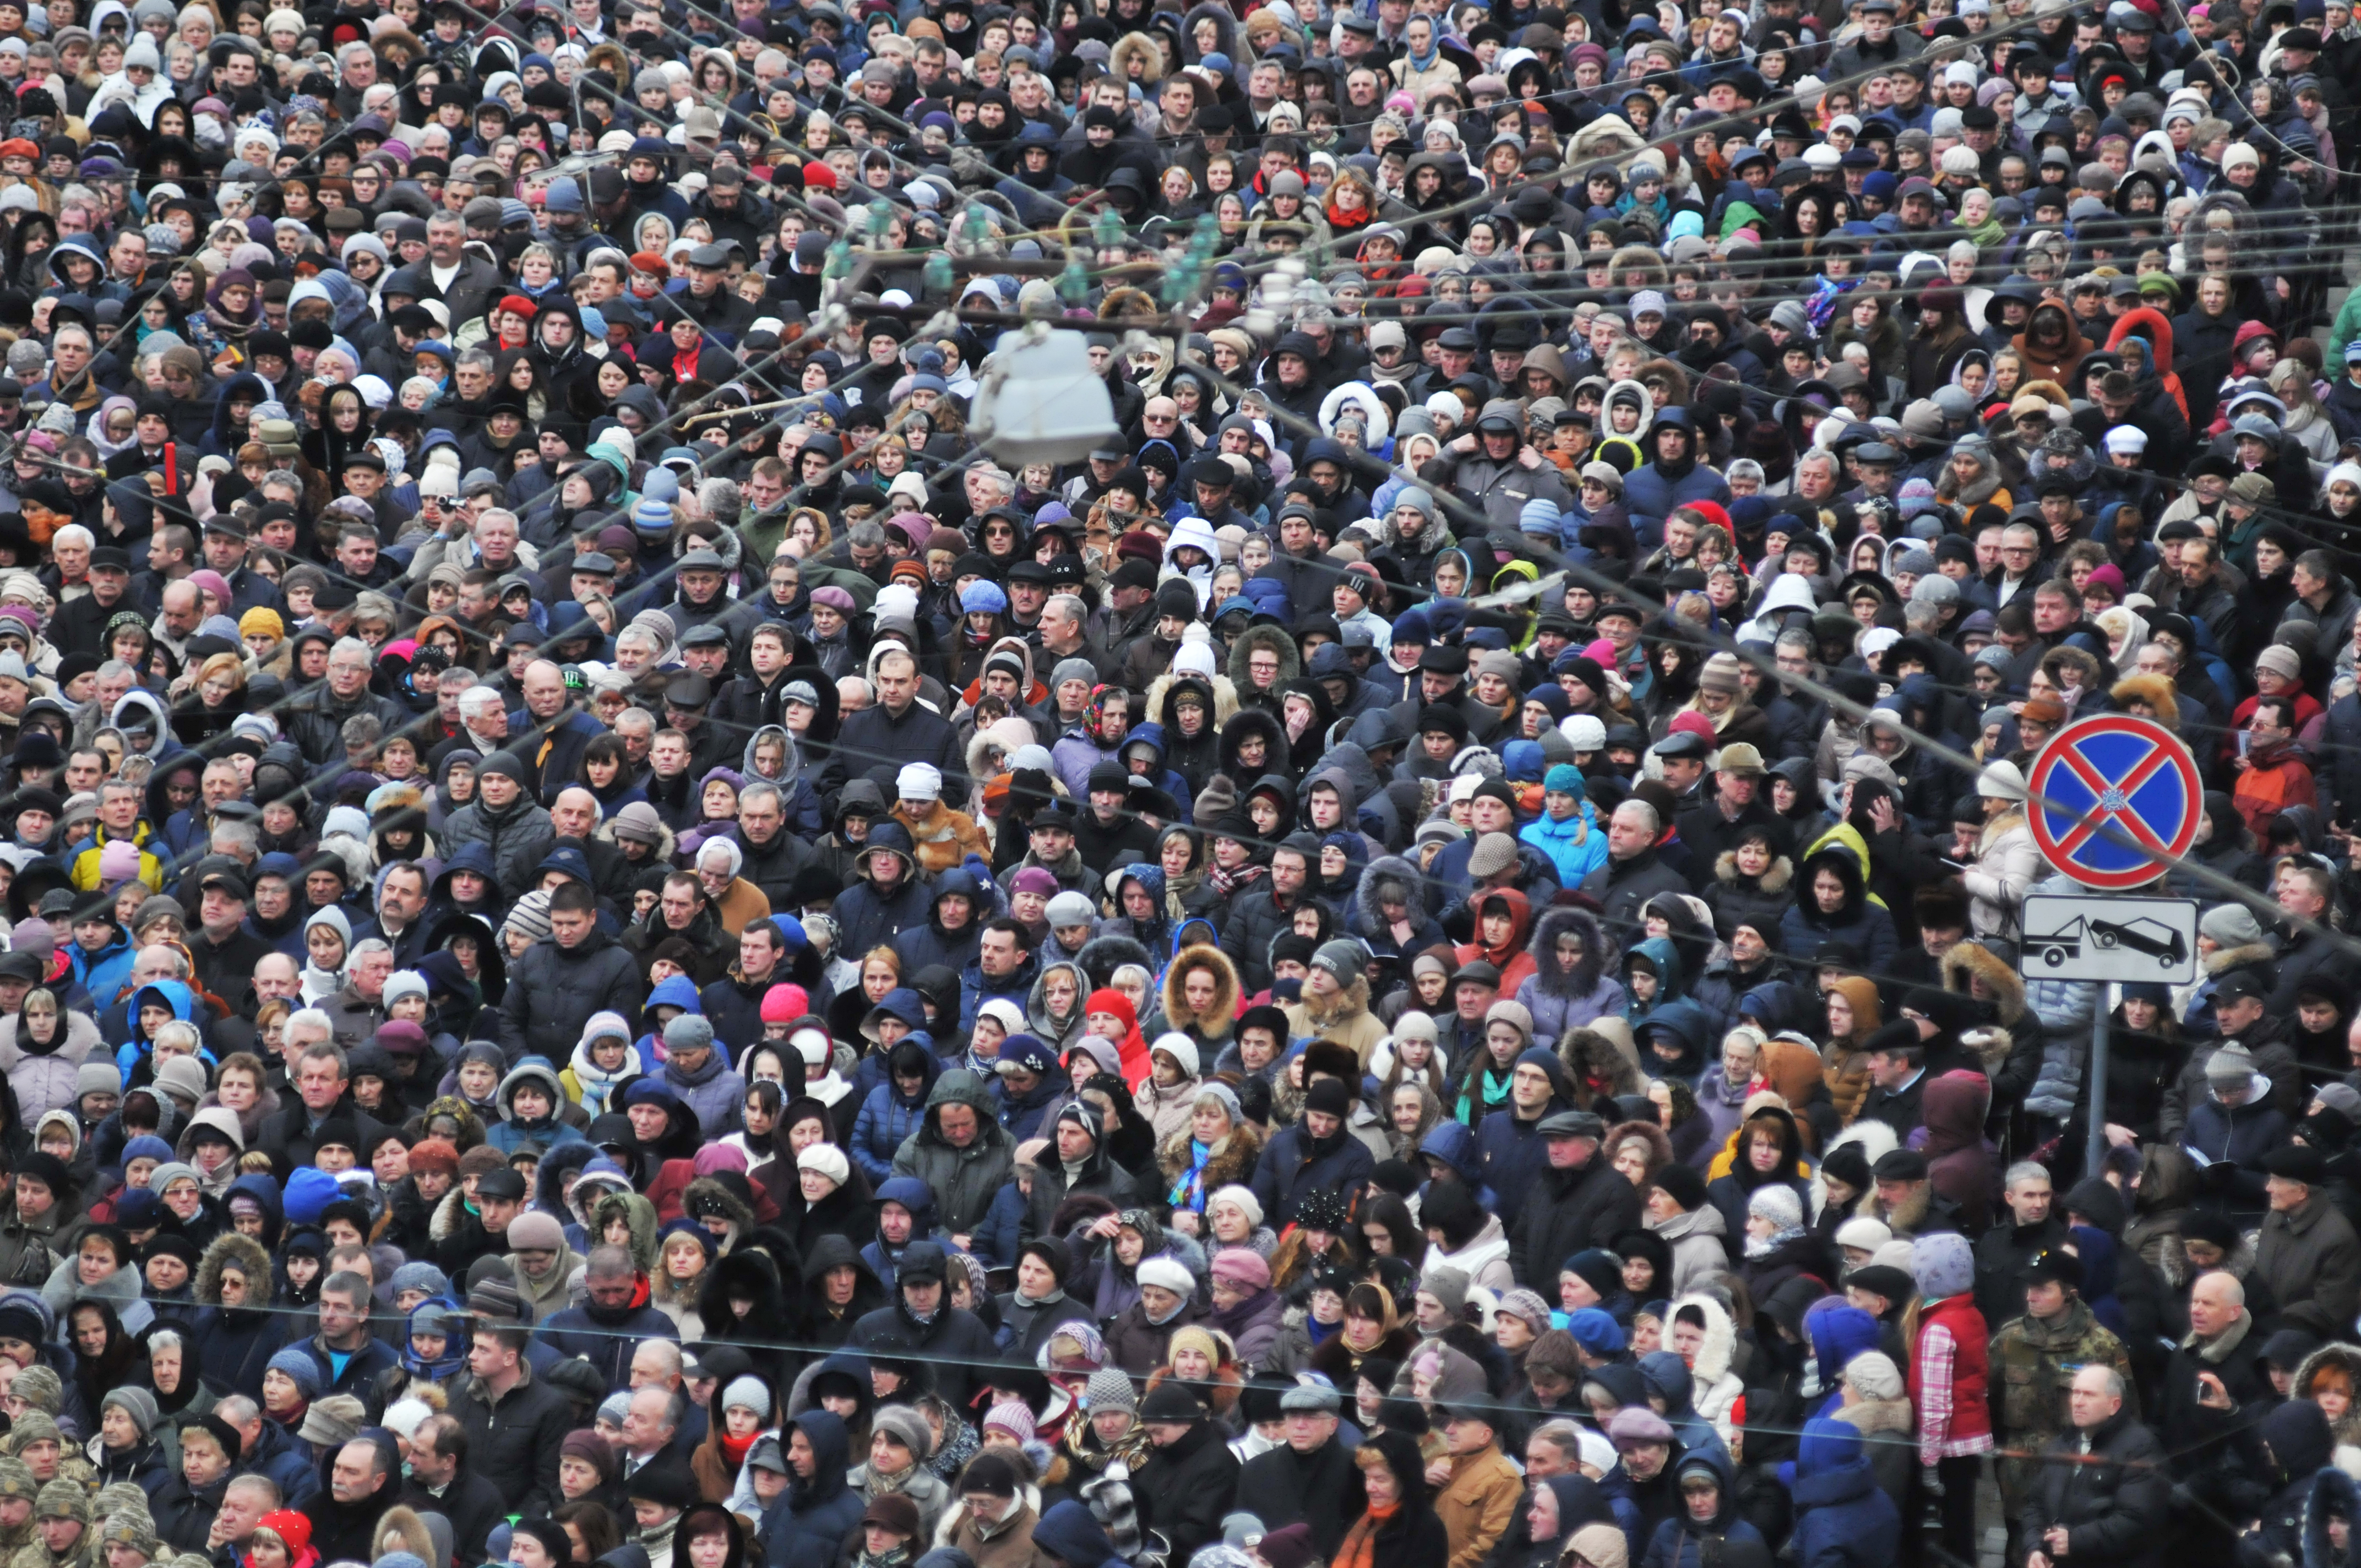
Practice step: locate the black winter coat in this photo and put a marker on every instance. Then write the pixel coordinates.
(1184, 1490)
(514, 1441)
(2114, 1502)
(554, 990)
(1322, 1489)
(1567, 1211)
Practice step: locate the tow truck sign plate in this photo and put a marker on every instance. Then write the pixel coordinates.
(2092, 937)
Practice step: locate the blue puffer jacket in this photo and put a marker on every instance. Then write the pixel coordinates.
(888, 1118)
(1576, 846)
(1842, 1519)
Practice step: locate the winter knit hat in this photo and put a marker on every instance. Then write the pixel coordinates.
(2231, 926)
(301, 1369)
(1013, 1418)
(1873, 1376)
(1943, 1265)
(1110, 1389)
(748, 1394)
(1776, 1201)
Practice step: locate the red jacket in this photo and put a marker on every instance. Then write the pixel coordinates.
(1971, 1365)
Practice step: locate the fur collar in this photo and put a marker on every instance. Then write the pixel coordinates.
(1233, 1164)
(1970, 961)
(2224, 960)
(1871, 1416)
(1774, 879)
(1350, 1002)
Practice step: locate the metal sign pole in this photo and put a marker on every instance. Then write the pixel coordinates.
(2096, 1159)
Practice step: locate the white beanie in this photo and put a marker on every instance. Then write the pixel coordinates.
(1248, 1204)
(1181, 1048)
(1162, 1272)
(919, 781)
(749, 1393)
(828, 1159)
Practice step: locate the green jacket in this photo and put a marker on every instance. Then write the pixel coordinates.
(2032, 1367)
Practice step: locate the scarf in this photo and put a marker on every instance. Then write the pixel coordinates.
(1227, 883)
(1359, 1547)
(1759, 1248)
(1189, 1187)
(1484, 1092)
(883, 1486)
(734, 1449)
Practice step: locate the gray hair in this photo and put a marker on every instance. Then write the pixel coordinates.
(480, 699)
(754, 791)
(308, 1019)
(1638, 808)
(2023, 1171)
(1562, 1435)
(350, 648)
(369, 947)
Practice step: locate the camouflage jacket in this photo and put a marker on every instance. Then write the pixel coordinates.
(2032, 1367)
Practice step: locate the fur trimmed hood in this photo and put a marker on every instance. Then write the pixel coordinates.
(1161, 690)
(1712, 1363)
(2153, 690)
(1967, 961)
(1555, 920)
(1291, 660)
(1604, 1050)
(1660, 1145)
(1376, 875)
(224, 1250)
(1145, 48)
(1218, 1020)
(2348, 1359)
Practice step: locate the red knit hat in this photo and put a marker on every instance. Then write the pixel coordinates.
(784, 1004)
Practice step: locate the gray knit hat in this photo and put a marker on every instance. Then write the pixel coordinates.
(1110, 1389)
(2231, 926)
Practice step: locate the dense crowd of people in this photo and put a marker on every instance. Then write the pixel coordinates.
(633, 943)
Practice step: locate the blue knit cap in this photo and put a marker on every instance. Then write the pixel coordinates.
(301, 1369)
(652, 517)
(982, 597)
(1563, 779)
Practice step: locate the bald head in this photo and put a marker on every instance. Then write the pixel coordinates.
(573, 814)
(544, 689)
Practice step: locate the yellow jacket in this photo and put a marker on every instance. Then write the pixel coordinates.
(1477, 1505)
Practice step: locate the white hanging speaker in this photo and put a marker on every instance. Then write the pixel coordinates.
(1040, 400)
